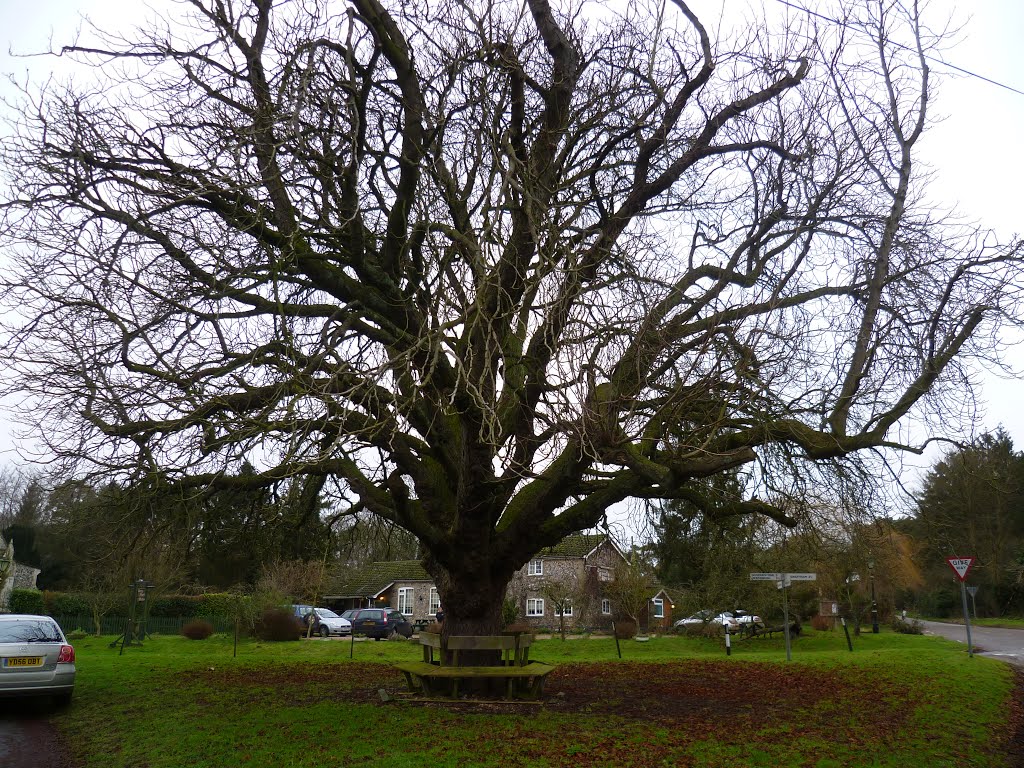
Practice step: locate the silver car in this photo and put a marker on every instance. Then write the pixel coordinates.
(35, 658)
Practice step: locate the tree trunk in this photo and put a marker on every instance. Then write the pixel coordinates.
(472, 601)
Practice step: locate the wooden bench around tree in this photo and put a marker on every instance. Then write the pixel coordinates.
(441, 663)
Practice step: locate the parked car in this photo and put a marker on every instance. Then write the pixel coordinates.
(302, 615)
(378, 622)
(35, 658)
(702, 618)
(747, 620)
(329, 623)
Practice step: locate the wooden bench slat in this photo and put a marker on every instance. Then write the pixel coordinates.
(534, 672)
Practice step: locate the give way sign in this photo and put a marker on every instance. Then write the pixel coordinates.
(961, 565)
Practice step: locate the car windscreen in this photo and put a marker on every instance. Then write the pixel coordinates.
(29, 631)
(324, 613)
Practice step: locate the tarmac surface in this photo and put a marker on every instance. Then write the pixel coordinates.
(996, 642)
(28, 738)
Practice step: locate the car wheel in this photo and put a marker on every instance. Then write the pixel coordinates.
(325, 631)
(376, 638)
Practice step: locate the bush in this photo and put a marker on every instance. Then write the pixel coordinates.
(509, 612)
(624, 630)
(200, 629)
(907, 626)
(77, 634)
(821, 624)
(175, 606)
(27, 601)
(66, 604)
(278, 624)
(712, 630)
(216, 604)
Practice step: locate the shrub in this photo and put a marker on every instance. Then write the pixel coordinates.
(624, 630)
(77, 634)
(712, 629)
(199, 629)
(278, 624)
(175, 606)
(434, 628)
(907, 626)
(66, 604)
(509, 612)
(821, 624)
(519, 627)
(27, 601)
(216, 604)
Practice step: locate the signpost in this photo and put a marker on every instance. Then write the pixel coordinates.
(960, 566)
(783, 581)
(972, 591)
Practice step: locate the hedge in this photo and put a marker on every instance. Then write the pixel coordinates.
(27, 601)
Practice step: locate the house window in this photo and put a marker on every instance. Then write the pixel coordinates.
(567, 610)
(435, 601)
(405, 600)
(603, 574)
(536, 568)
(534, 606)
(606, 607)
(659, 607)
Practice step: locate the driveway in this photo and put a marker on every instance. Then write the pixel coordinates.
(28, 738)
(1005, 644)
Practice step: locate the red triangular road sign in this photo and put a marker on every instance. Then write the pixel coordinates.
(961, 565)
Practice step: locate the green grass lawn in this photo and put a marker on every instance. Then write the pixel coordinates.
(898, 700)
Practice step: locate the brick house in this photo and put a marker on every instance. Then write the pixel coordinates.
(572, 574)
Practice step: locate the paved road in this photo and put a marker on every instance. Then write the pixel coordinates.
(1005, 644)
(27, 736)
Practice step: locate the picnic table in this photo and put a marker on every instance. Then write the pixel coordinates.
(440, 666)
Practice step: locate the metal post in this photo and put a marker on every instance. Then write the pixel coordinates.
(785, 614)
(728, 642)
(846, 631)
(967, 618)
(874, 603)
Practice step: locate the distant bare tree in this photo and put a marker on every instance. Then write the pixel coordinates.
(487, 268)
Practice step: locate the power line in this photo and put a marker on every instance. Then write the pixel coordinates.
(936, 59)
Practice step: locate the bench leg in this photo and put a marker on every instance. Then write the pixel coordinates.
(409, 681)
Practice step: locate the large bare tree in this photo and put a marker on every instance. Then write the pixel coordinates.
(486, 268)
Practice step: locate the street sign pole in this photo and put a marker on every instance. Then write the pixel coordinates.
(784, 581)
(785, 614)
(961, 565)
(972, 591)
(967, 618)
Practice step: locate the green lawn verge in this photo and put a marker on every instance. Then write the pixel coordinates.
(896, 700)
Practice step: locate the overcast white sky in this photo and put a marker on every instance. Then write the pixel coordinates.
(976, 151)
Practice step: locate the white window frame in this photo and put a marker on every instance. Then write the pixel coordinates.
(568, 611)
(406, 600)
(604, 574)
(435, 602)
(535, 568)
(659, 607)
(606, 607)
(534, 607)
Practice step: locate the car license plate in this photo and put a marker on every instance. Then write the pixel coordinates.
(23, 661)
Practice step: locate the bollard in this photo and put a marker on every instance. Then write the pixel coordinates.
(728, 642)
